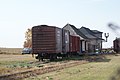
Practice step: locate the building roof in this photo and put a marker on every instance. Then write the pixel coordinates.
(77, 31)
(89, 33)
(96, 31)
(85, 33)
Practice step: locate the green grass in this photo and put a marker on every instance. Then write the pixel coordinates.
(101, 70)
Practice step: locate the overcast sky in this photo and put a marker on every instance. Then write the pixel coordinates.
(18, 15)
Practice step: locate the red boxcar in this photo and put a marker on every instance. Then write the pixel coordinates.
(74, 44)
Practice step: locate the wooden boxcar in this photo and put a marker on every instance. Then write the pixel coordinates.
(46, 41)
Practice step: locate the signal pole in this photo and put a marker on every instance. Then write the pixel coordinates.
(106, 36)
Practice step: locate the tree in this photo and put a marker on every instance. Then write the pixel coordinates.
(28, 38)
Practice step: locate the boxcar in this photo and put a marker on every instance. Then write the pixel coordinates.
(46, 41)
(116, 45)
(74, 44)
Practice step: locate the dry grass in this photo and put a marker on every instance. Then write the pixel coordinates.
(15, 63)
(10, 50)
(10, 58)
(101, 70)
(98, 69)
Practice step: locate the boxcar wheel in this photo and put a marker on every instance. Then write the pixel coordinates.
(40, 58)
(53, 57)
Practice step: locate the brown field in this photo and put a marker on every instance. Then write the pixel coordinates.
(10, 50)
(11, 58)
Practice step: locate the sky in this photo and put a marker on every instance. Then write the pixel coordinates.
(16, 16)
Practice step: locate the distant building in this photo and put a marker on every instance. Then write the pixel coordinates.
(90, 40)
(95, 38)
(75, 32)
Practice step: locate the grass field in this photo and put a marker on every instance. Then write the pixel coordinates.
(106, 69)
(15, 63)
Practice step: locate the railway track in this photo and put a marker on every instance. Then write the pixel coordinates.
(47, 69)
